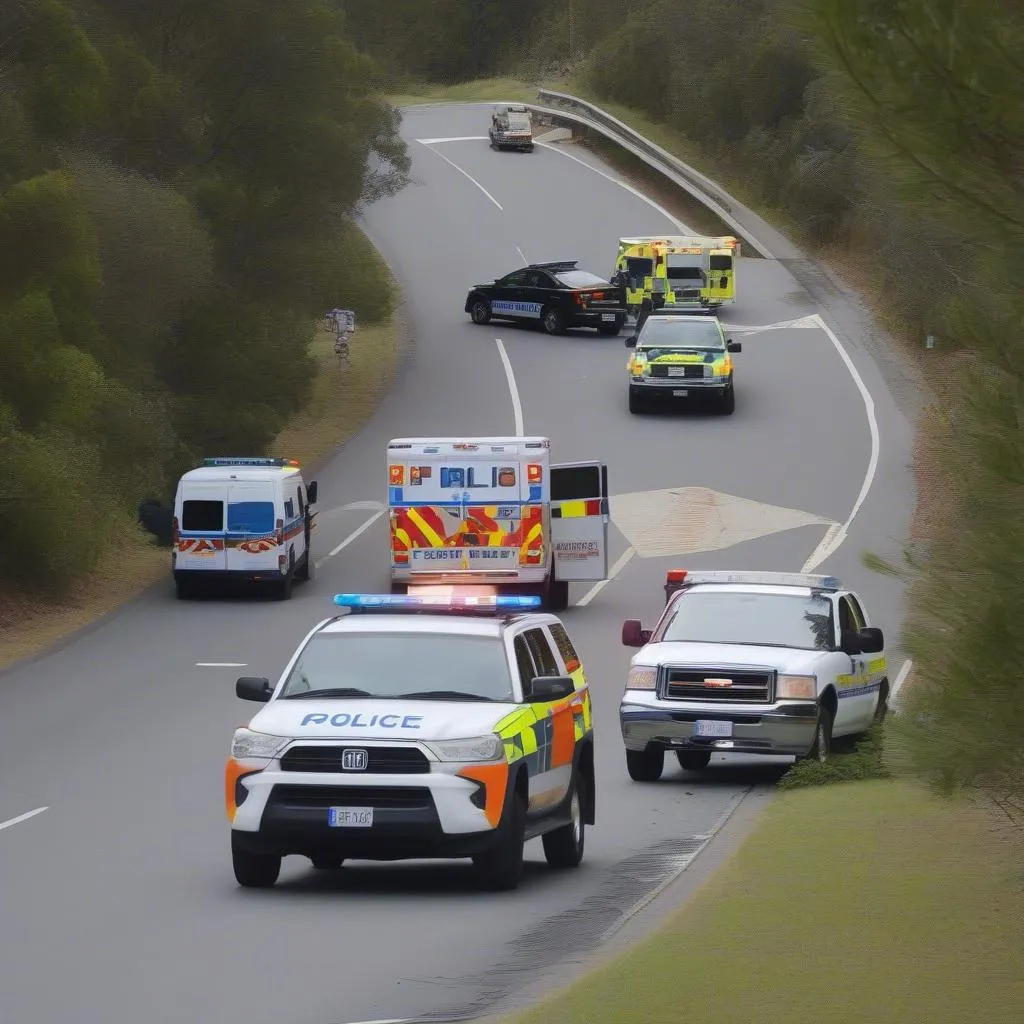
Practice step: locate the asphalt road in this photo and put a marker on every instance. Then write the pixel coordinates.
(117, 902)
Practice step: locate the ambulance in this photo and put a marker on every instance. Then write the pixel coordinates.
(243, 518)
(494, 512)
(678, 270)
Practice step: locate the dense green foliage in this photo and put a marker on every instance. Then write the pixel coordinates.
(177, 182)
(852, 760)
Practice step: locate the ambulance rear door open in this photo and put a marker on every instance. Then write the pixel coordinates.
(579, 521)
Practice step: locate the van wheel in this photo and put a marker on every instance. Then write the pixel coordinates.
(284, 588)
(501, 867)
(184, 590)
(563, 848)
(307, 569)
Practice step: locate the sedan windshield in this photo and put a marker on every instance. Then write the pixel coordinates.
(771, 620)
(391, 665)
(679, 333)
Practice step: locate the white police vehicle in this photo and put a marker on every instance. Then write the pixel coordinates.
(750, 663)
(417, 726)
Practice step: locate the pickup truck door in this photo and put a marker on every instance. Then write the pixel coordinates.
(579, 521)
(858, 688)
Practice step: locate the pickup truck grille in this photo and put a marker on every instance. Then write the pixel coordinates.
(689, 369)
(379, 760)
(709, 685)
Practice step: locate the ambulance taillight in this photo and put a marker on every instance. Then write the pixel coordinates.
(534, 473)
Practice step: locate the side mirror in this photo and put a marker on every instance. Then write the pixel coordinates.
(871, 640)
(633, 633)
(849, 642)
(631, 341)
(733, 346)
(255, 688)
(311, 492)
(548, 688)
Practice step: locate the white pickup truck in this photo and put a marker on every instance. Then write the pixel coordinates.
(750, 663)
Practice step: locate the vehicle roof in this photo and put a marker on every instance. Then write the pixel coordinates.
(418, 622)
(752, 588)
(530, 439)
(216, 474)
(682, 318)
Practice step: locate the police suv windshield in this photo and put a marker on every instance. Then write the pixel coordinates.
(672, 334)
(392, 665)
(770, 620)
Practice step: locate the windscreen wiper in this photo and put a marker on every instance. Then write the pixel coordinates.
(441, 695)
(337, 691)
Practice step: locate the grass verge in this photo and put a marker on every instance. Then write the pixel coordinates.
(485, 90)
(344, 398)
(846, 903)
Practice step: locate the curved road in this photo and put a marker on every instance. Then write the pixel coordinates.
(117, 902)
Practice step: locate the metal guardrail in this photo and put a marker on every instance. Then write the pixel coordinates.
(579, 112)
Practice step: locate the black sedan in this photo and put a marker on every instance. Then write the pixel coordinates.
(555, 295)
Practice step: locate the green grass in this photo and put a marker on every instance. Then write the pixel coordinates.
(872, 902)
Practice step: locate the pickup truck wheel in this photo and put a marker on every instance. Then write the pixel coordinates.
(501, 867)
(822, 749)
(563, 848)
(728, 402)
(693, 760)
(637, 401)
(645, 765)
(254, 870)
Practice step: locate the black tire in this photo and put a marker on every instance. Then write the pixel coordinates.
(821, 751)
(693, 760)
(883, 703)
(306, 570)
(552, 321)
(184, 589)
(501, 867)
(728, 402)
(637, 402)
(284, 587)
(563, 847)
(645, 765)
(254, 870)
(557, 595)
(480, 312)
(327, 863)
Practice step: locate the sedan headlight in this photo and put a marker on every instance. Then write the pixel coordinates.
(248, 743)
(475, 748)
(642, 678)
(797, 688)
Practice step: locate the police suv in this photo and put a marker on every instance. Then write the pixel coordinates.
(750, 663)
(417, 726)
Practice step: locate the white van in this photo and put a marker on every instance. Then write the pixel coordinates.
(243, 518)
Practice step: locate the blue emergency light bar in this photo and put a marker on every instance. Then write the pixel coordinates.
(243, 460)
(437, 603)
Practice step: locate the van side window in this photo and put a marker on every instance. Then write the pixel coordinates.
(289, 510)
(202, 516)
(565, 647)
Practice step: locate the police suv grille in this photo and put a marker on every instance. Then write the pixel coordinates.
(689, 370)
(709, 685)
(379, 760)
(404, 798)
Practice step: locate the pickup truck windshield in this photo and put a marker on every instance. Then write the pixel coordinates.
(769, 620)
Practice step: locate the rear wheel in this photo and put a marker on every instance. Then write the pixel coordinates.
(306, 569)
(693, 760)
(645, 765)
(480, 311)
(552, 321)
(501, 867)
(284, 587)
(563, 848)
(184, 589)
(254, 870)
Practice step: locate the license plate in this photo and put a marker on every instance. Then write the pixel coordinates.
(709, 728)
(679, 393)
(350, 817)
(607, 316)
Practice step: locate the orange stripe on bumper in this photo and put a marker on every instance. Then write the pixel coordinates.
(495, 779)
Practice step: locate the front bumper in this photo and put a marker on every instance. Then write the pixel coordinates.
(784, 728)
(414, 815)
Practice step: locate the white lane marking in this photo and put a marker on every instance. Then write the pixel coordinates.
(596, 589)
(353, 506)
(824, 550)
(220, 664)
(901, 678)
(468, 175)
(781, 325)
(454, 138)
(523, 254)
(21, 817)
(517, 408)
(615, 181)
(354, 535)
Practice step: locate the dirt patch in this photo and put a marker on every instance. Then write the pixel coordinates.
(344, 398)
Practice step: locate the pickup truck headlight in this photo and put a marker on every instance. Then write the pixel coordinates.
(642, 678)
(476, 748)
(248, 743)
(797, 688)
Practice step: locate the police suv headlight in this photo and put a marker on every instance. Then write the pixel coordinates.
(475, 748)
(642, 678)
(796, 688)
(248, 743)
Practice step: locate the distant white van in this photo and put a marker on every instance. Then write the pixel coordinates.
(243, 518)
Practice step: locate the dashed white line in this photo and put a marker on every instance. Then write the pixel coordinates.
(21, 817)
(831, 541)
(220, 664)
(460, 170)
(517, 408)
(354, 535)
(454, 138)
(615, 181)
(901, 678)
(596, 589)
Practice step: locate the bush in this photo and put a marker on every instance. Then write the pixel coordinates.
(862, 760)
